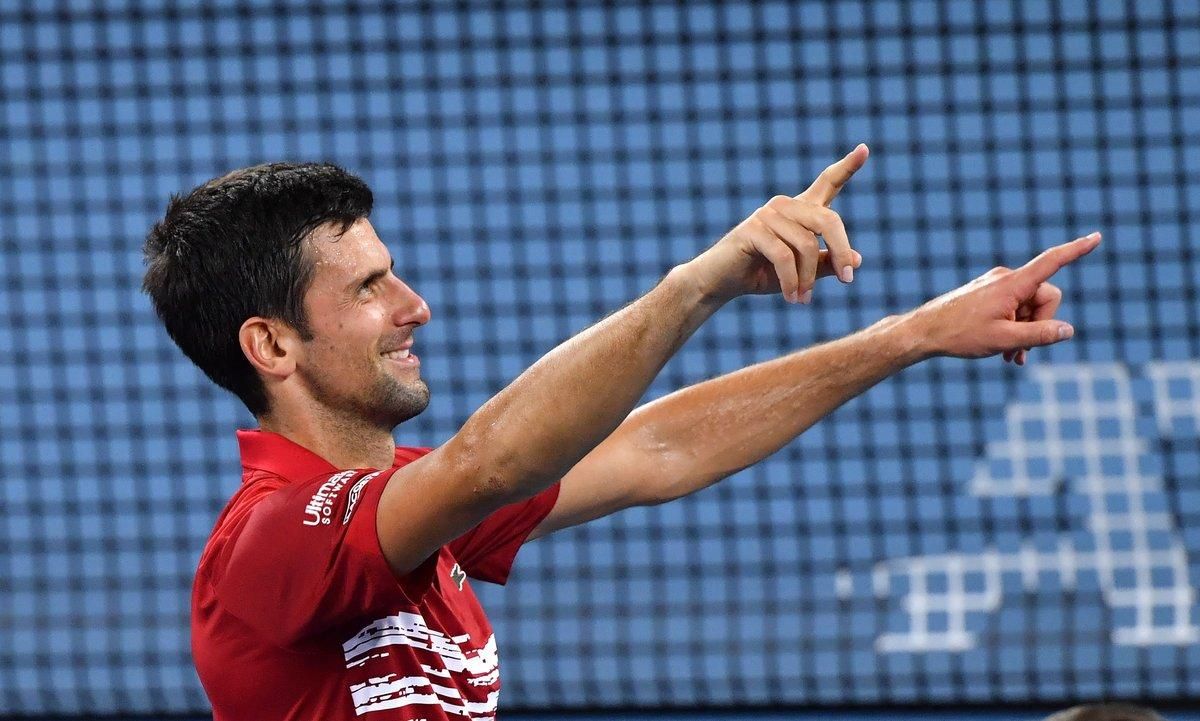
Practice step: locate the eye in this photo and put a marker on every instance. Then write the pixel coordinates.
(370, 285)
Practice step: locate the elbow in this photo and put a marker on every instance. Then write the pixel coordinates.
(497, 473)
(670, 465)
(671, 481)
(663, 469)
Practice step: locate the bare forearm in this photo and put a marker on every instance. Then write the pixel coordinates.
(700, 434)
(533, 431)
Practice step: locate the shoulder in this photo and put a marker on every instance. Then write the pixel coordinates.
(256, 487)
(278, 523)
(268, 497)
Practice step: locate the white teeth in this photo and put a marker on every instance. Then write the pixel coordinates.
(396, 354)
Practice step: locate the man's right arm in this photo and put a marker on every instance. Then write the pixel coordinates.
(545, 421)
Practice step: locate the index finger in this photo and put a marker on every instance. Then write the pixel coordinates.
(829, 183)
(1048, 262)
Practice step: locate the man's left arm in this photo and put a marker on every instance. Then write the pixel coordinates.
(694, 437)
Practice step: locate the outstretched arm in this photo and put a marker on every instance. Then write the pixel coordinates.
(694, 437)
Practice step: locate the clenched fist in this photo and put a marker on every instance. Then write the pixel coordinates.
(776, 248)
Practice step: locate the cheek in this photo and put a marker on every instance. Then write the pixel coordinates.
(337, 348)
(345, 333)
(349, 338)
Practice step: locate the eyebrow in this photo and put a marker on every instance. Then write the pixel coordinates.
(371, 277)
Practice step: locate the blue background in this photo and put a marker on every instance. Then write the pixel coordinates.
(535, 168)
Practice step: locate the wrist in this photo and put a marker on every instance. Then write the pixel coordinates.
(905, 337)
(688, 278)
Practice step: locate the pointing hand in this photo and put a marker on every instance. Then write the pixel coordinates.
(1002, 311)
(776, 248)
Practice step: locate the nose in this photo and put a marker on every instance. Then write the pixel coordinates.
(411, 307)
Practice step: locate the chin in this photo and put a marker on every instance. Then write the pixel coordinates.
(406, 402)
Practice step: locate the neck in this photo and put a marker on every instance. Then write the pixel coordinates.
(343, 441)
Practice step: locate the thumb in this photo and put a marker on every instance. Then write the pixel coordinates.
(1030, 334)
(825, 265)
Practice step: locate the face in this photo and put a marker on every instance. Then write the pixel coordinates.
(359, 361)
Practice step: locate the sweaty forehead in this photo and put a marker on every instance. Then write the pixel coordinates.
(338, 258)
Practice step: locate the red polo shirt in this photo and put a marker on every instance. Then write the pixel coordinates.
(297, 615)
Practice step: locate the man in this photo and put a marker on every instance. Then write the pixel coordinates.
(333, 584)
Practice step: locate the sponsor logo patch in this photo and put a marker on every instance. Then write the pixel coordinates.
(355, 492)
(320, 506)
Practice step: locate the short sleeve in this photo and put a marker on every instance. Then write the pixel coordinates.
(308, 557)
(487, 551)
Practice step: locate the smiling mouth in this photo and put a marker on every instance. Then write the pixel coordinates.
(402, 357)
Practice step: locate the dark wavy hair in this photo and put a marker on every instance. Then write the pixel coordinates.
(234, 248)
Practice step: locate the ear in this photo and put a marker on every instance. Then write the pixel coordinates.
(270, 345)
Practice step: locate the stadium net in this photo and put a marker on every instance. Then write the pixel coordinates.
(965, 533)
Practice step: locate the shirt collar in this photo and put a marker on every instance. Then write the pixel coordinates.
(273, 453)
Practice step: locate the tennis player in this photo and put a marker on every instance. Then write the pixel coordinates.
(334, 584)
